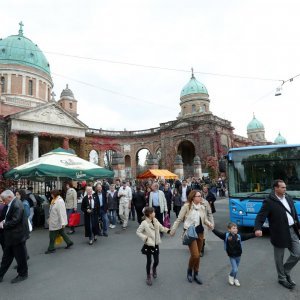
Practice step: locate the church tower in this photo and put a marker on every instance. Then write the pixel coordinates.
(68, 102)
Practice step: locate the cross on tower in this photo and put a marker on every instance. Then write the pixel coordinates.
(21, 28)
(192, 72)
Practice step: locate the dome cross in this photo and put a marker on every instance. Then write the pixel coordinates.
(21, 28)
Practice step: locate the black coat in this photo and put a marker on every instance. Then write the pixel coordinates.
(112, 201)
(211, 198)
(104, 199)
(90, 218)
(16, 228)
(139, 200)
(188, 190)
(274, 210)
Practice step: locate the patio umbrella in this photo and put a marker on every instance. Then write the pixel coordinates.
(59, 164)
(156, 173)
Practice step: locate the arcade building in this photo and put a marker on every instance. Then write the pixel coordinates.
(33, 123)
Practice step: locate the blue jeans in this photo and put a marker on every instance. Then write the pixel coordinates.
(104, 218)
(112, 215)
(235, 261)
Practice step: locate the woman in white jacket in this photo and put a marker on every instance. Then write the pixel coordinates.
(149, 232)
(57, 221)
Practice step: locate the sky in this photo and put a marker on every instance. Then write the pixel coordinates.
(137, 56)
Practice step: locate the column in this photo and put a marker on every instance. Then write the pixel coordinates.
(8, 83)
(35, 147)
(23, 85)
(46, 92)
(66, 143)
(37, 87)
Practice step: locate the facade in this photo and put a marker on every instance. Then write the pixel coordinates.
(33, 123)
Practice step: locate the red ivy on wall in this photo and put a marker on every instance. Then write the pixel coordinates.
(4, 165)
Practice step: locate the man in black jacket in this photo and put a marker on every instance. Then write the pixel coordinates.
(16, 233)
(280, 210)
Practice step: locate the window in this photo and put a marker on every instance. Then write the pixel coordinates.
(193, 108)
(2, 83)
(70, 105)
(30, 87)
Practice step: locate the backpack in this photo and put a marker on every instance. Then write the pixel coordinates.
(226, 239)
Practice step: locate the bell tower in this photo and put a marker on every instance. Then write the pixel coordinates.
(68, 102)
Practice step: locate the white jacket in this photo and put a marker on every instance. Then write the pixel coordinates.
(125, 195)
(57, 215)
(162, 201)
(71, 199)
(149, 233)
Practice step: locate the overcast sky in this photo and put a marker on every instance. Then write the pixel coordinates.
(255, 38)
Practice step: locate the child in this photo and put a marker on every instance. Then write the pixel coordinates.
(233, 246)
(149, 232)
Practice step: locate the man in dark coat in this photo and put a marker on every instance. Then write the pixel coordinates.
(100, 196)
(139, 202)
(16, 232)
(210, 197)
(280, 210)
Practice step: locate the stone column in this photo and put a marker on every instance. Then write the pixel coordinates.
(37, 87)
(178, 166)
(152, 162)
(118, 164)
(197, 167)
(8, 83)
(13, 150)
(23, 85)
(66, 143)
(35, 147)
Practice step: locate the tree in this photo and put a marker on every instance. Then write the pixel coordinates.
(4, 165)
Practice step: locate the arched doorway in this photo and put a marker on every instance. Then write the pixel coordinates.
(187, 151)
(141, 158)
(94, 157)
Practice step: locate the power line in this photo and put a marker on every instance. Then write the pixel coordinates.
(114, 92)
(149, 66)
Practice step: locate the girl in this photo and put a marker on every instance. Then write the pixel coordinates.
(149, 232)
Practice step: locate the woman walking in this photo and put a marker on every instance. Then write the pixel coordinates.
(91, 211)
(149, 232)
(193, 214)
(57, 221)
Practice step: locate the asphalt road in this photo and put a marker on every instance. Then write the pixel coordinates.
(114, 269)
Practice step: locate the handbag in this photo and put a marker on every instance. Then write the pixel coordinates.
(58, 240)
(167, 222)
(189, 235)
(74, 219)
(144, 249)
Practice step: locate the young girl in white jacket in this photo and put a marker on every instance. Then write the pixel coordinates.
(149, 231)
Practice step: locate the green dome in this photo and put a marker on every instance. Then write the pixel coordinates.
(255, 124)
(17, 49)
(280, 140)
(193, 87)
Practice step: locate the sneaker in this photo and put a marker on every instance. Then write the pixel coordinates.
(124, 228)
(236, 282)
(71, 232)
(69, 245)
(110, 226)
(230, 280)
(113, 226)
(50, 251)
(91, 242)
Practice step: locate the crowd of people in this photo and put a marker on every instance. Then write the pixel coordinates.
(105, 206)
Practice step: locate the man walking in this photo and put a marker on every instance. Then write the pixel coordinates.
(100, 196)
(16, 233)
(280, 210)
(125, 196)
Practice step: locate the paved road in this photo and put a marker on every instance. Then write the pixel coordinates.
(114, 268)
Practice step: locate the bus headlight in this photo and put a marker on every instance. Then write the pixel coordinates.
(234, 209)
(240, 212)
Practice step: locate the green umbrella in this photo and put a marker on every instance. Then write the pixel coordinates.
(59, 164)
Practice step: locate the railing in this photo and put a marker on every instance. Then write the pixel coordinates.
(122, 133)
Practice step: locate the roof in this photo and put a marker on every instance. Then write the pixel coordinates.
(19, 50)
(193, 87)
(155, 173)
(280, 140)
(255, 124)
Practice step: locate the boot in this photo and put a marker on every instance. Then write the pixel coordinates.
(190, 275)
(197, 279)
(202, 250)
(154, 273)
(149, 280)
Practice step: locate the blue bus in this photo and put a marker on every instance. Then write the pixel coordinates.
(251, 172)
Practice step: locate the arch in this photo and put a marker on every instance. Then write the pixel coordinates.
(108, 156)
(141, 157)
(94, 157)
(187, 151)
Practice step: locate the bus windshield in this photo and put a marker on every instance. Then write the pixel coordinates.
(252, 171)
